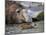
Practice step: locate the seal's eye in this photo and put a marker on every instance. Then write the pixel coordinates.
(18, 11)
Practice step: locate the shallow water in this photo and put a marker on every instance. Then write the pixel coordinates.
(12, 29)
